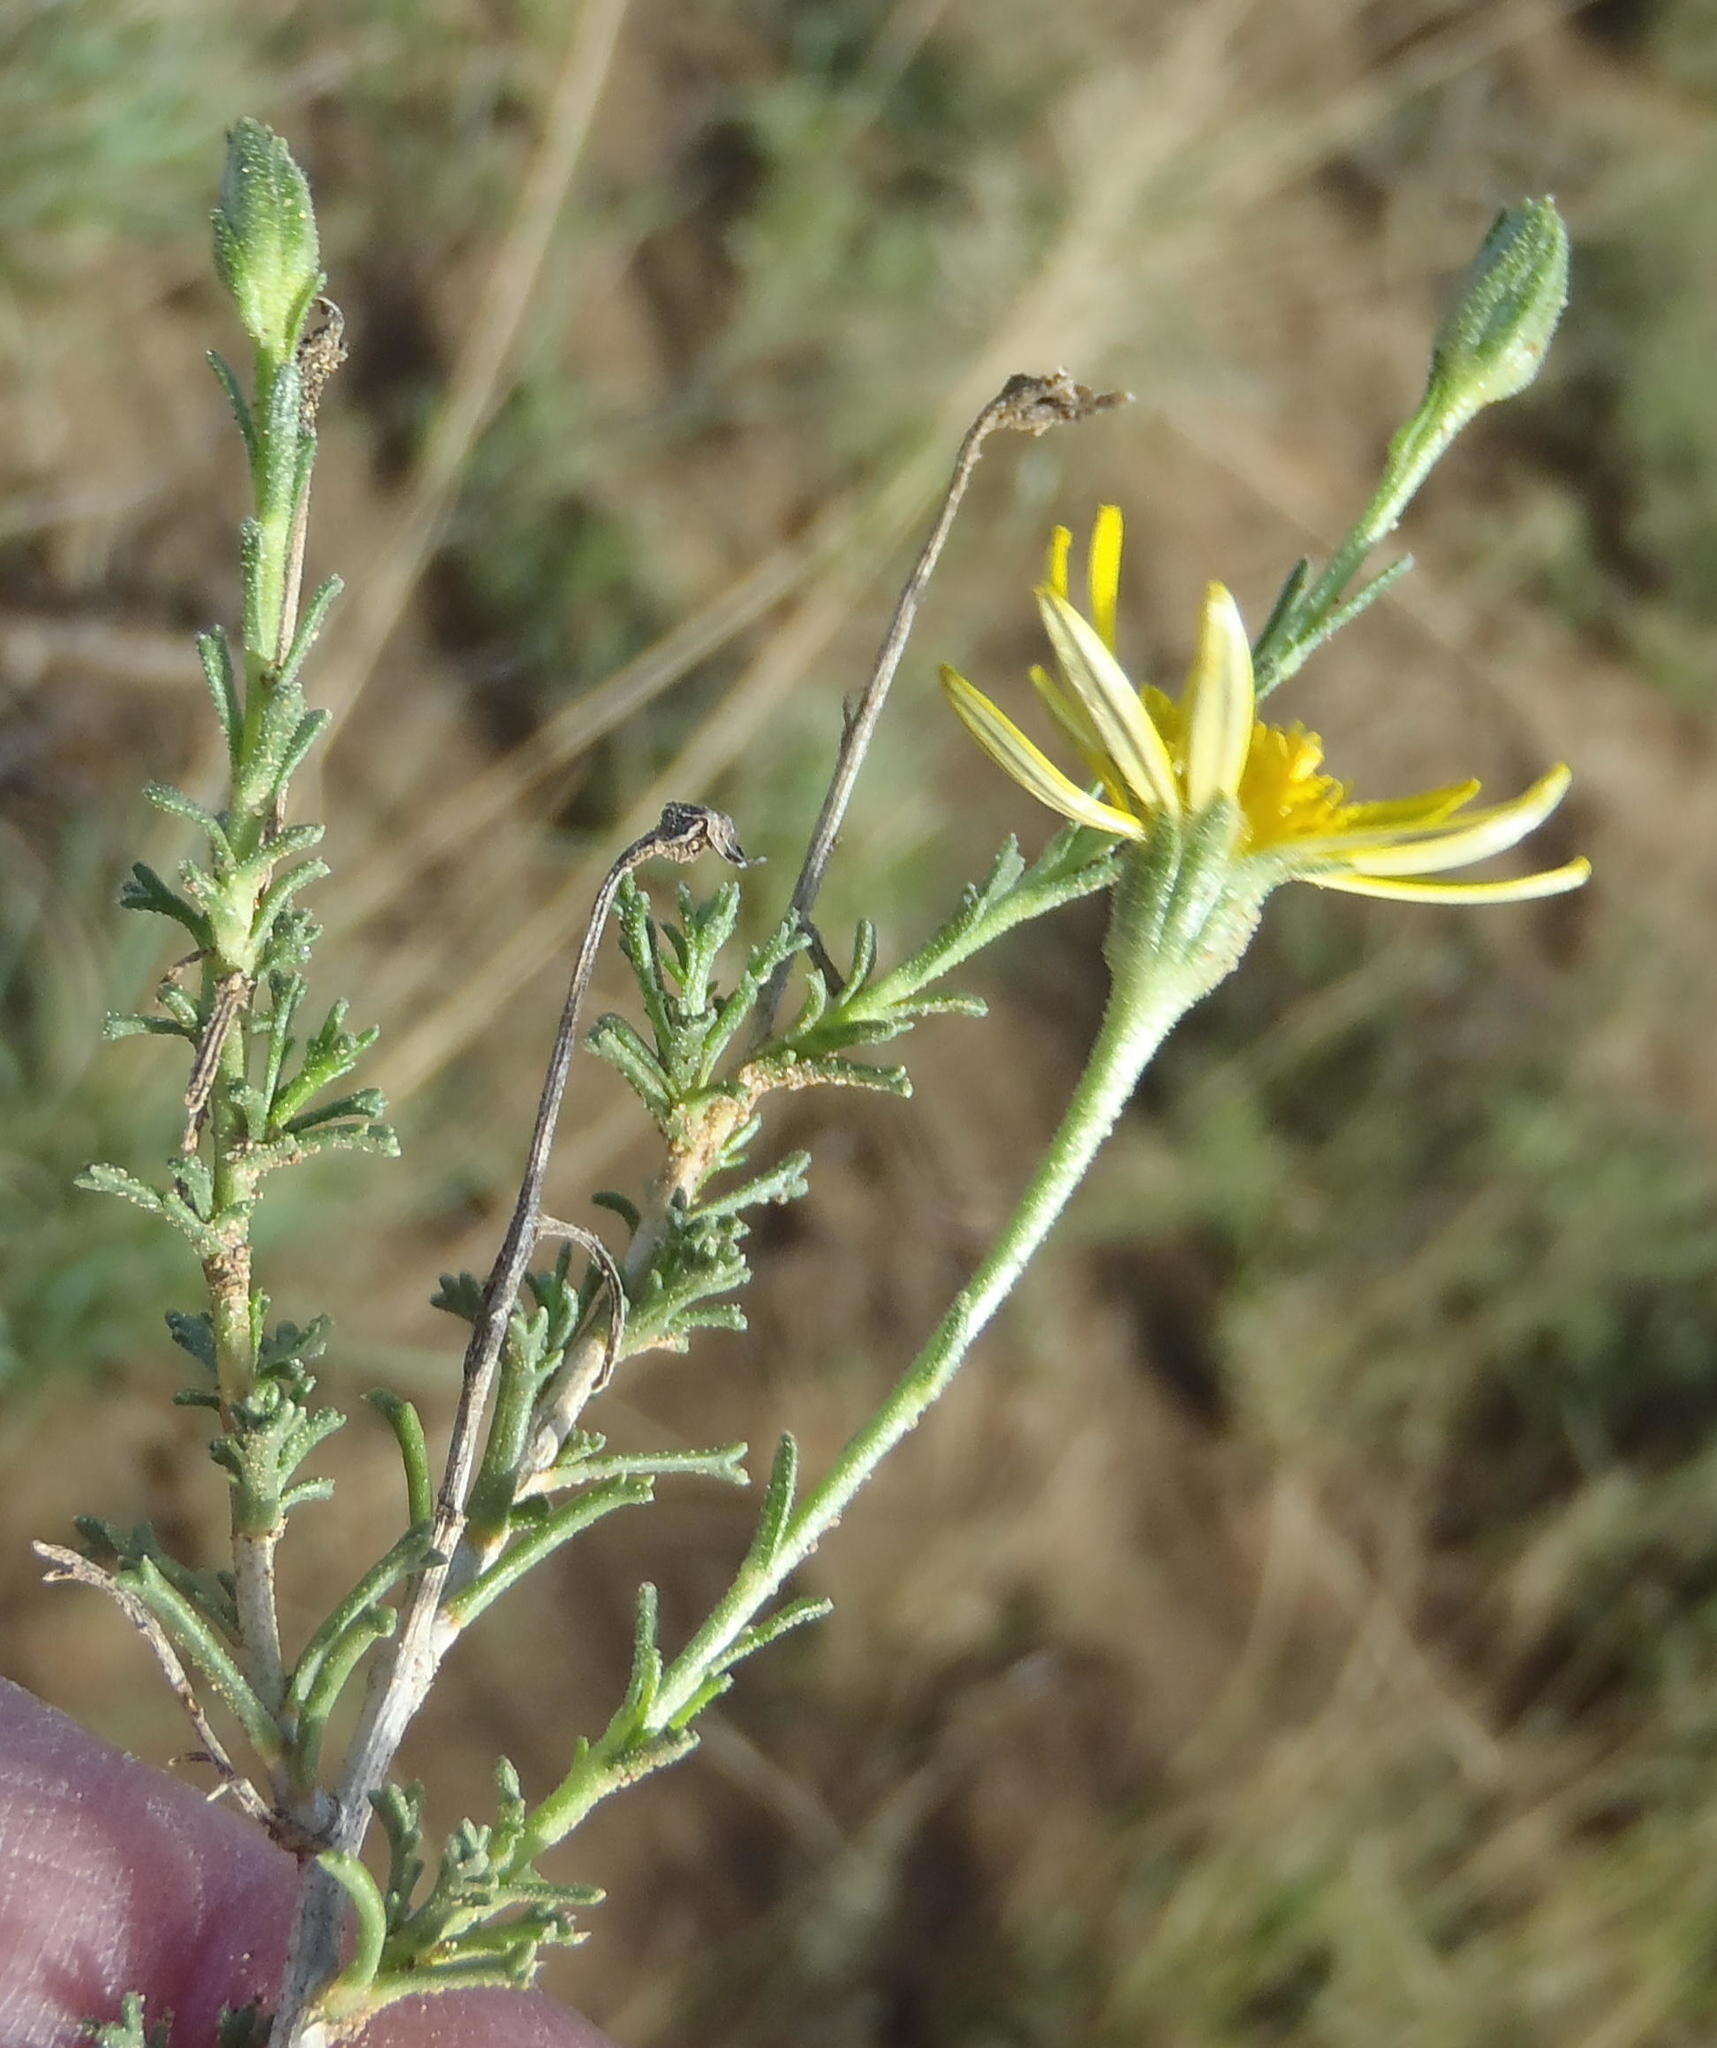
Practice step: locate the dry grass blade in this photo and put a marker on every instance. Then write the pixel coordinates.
(477, 380)
(505, 786)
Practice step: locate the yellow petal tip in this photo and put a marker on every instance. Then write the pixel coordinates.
(1220, 704)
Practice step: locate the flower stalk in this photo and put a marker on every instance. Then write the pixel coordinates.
(1490, 346)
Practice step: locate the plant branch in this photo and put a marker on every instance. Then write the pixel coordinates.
(684, 832)
(1117, 1060)
(1177, 929)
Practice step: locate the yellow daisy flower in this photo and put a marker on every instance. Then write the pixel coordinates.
(1154, 757)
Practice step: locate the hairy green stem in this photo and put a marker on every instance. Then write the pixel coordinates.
(1130, 1034)
(257, 1518)
(256, 1525)
(258, 1612)
(1412, 455)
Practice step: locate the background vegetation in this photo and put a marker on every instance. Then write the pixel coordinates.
(1301, 1626)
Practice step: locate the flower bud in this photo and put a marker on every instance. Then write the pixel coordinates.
(1490, 346)
(265, 237)
(1493, 339)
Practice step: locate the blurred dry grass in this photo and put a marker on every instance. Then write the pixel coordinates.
(1298, 1627)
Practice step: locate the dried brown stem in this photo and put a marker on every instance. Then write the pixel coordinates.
(232, 991)
(320, 354)
(1025, 404)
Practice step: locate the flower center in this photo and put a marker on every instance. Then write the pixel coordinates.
(1284, 793)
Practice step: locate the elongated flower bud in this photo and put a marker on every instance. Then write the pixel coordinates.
(1494, 337)
(265, 237)
(1491, 345)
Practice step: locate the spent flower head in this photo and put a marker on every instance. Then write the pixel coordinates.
(1155, 758)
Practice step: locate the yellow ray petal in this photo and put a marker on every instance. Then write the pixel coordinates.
(1517, 889)
(1097, 679)
(1055, 561)
(1070, 716)
(1409, 813)
(1032, 769)
(1103, 572)
(1469, 839)
(1066, 710)
(1220, 705)
(1422, 819)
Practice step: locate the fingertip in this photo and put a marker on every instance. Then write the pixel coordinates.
(116, 1878)
(480, 2019)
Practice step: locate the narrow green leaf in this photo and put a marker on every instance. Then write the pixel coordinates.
(250, 557)
(646, 1657)
(723, 1463)
(528, 1550)
(281, 891)
(612, 1039)
(115, 1027)
(102, 1179)
(192, 1634)
(363, 1102)
(796, 1614)
(333, 1673)
(196, 1181)
(864, 957)
(195, 1336)
(217, 660)
(777, 1506)
(143, 889)
(348, 1992)
(618, 1205)
(781, 1184)
(1279, 625)
(403, 1419)
(304, 736)
(1294, 656)
(226, 377)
